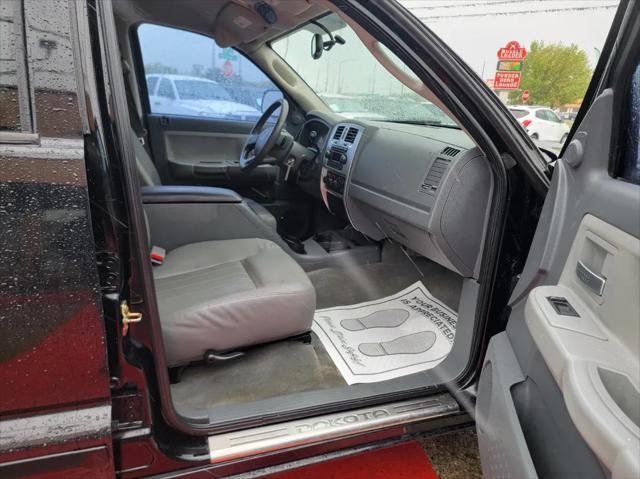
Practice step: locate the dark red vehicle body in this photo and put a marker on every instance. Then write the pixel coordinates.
(62, 394)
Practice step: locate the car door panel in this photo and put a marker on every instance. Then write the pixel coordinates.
(203, 151)
(579, 374)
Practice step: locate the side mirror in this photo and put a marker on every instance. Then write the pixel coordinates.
(268, 98)
(317, 45)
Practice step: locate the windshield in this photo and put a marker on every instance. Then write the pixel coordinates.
(350, 80)
(200, 90)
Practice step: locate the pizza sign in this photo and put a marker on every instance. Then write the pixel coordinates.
(512, 52)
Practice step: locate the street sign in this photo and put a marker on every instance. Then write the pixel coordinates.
(525, 96)
(506, 81)
(512, 51)
(227, 69)
(509, 68)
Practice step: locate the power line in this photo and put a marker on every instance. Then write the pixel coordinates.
(519, 12)
(465, 5)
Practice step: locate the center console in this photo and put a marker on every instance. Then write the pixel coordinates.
(338, 157)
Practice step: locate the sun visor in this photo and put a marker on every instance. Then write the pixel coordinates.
(236, 24)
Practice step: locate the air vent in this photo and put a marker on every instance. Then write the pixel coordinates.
(450, 151)
(351, 135)
(339, 131)
(434, 176)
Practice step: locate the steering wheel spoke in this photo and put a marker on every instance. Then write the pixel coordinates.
(263, 136)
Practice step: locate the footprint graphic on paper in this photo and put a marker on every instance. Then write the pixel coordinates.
(414, 343)
(387, 318)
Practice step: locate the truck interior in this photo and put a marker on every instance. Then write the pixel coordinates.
(264, 232)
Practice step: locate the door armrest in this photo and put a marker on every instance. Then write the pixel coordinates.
(188, 194)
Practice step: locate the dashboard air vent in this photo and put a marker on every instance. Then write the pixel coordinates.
(339, 131)
(351, 135)
(450, 151)
(435, 175)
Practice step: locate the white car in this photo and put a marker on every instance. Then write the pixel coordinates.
(194, 96)
(541, 123)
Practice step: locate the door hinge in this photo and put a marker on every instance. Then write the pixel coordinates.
(127, 410)
(108, 271)
(128, 317)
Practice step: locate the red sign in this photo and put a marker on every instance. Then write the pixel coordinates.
(525, 96)
(506, 81)
(227, 69)
(513, 51)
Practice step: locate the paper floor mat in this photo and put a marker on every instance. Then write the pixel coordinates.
(408, 332)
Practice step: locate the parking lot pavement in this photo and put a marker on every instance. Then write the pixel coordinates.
(454, 455)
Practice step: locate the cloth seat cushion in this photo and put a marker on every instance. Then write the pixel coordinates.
(229, 294)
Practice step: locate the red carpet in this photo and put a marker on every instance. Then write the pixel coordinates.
(404, 461)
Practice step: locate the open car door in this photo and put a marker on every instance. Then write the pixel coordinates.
(559, 394)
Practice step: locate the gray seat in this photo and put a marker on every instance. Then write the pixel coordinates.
(226, 295)
(149, 176)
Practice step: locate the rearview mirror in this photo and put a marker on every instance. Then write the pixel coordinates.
(317, 45)
(268, 98)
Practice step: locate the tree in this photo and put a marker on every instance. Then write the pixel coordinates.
(554, 74)
(158, 67)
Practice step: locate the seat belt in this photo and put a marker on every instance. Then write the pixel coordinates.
(134, 119)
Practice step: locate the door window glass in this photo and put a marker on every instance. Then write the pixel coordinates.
(151, 84)
(631, 155)
(165, 90)
(199, 78)
(541, 114)
(551, 116)
(518, 113)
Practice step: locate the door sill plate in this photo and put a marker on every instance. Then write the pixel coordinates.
(319, 429)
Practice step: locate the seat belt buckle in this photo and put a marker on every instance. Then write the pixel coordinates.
(157, 255)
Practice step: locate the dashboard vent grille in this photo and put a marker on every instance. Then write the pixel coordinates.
(339, 131)
(435, 175)
(450, 151)
(351, 135)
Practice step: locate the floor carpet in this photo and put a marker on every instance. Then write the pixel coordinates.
(288, 367)
(267, 371)
(344, 286)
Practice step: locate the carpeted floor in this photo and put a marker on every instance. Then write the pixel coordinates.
(288, 367)
(263, 372)
(343, 286)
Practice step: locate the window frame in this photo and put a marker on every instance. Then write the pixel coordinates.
(27, 133)
(138, 66)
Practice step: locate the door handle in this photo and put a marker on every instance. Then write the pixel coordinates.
(594, 281)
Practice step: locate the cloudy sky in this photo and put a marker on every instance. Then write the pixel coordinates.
(475, 29)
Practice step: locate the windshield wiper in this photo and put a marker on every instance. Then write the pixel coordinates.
(437, 124)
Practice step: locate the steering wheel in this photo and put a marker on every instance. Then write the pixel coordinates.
(263, 136)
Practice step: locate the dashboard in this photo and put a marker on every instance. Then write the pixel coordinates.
(427, 188)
